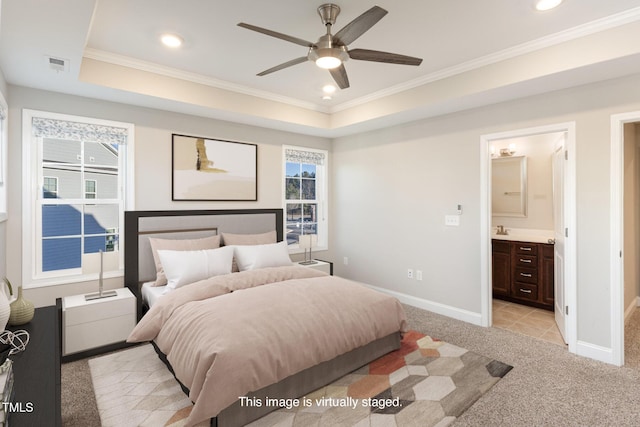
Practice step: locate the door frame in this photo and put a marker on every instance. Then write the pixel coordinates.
(617, 233)
(569, 214)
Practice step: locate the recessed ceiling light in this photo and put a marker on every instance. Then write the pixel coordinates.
(547, 4)
(171, 40)
(329, 89)
(327, 97)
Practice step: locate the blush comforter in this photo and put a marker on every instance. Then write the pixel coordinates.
(229, 335)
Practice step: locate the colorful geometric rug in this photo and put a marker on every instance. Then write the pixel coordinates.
(426, 382)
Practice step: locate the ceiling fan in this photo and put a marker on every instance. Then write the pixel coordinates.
(330, 51)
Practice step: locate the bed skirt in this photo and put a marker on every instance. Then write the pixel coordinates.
(299, 384)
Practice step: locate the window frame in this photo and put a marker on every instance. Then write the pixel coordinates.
(55, 178)
(32, 190)
(322, 198)
(95, 189)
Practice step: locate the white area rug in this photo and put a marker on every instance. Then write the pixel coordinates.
(134, 388)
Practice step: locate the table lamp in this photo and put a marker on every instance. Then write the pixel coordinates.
(308, 241)
(98, 262)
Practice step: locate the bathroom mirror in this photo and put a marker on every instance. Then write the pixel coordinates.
(509, 186)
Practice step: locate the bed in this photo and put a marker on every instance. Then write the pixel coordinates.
(278, 332)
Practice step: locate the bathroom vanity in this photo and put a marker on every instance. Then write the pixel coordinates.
(523, 272)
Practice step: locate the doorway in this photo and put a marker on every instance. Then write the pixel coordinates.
(625, 133)
(563, 230)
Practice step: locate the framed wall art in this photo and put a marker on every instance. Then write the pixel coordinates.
(208, 169)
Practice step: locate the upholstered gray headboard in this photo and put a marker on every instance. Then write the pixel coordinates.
(139, 226)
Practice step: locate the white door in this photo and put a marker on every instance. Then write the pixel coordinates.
(559, 230)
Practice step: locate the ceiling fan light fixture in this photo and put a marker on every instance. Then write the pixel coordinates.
(328, 57)
(328, 89)
(328, 62)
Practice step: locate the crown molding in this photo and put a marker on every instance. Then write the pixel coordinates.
(137, 64)
(603, 24)
(593, 27)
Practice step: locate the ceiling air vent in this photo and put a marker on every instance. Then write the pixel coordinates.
(57, 64)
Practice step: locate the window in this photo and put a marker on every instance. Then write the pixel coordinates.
(50, 187)
(305, 194)
(69, 158)
(90, 188)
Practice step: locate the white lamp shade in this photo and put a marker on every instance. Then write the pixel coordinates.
(307, 241)
(91, 262)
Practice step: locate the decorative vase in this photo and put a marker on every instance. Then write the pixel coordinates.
(5, 310)
(21, 310)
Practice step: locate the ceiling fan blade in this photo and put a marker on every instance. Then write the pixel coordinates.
(284, 65)
(339, 74)
(276, 35)
(378, 56)
(359, 26)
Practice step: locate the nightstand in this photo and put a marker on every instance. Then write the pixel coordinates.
(325, 266)
(36, 373)
(92, 327)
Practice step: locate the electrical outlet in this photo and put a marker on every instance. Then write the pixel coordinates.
(418, 274)
(410, 274)
(452, 220)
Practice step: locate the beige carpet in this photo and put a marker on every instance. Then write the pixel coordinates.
(426, 382)
(548, 385)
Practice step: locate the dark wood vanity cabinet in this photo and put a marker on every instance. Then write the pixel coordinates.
(523, 272)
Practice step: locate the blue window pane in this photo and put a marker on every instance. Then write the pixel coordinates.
(308, 171)
(94, 244)
(106, 243)
(60, 254)
(293, 169)
(60, 220)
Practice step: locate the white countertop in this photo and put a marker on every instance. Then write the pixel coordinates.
(524, 235)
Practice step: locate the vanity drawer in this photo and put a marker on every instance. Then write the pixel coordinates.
(526, 275)
(526, 248)
(525, 291)
(526, 261)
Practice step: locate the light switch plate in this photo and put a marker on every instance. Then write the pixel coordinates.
(452, 220)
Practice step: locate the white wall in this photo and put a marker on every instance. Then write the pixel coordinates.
(538, 150)
(153, 129)
(3, 222)
(392, 189)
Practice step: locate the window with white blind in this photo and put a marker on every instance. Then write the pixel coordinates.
(80, 186)
(305, 194)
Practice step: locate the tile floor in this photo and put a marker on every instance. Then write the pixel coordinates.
(531, 321)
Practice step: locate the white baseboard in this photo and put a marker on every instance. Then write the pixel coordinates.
(629, 311)
(435, 307)
(596, 352)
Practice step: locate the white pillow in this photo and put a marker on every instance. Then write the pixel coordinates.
(184, 267)
(261, 256)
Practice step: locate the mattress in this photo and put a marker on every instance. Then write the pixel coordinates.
(150, 294)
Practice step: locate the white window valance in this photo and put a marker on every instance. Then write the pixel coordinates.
(74, 131)
(302, 156)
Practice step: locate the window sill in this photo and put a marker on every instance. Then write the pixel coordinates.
(68, 280)
(3, 216)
